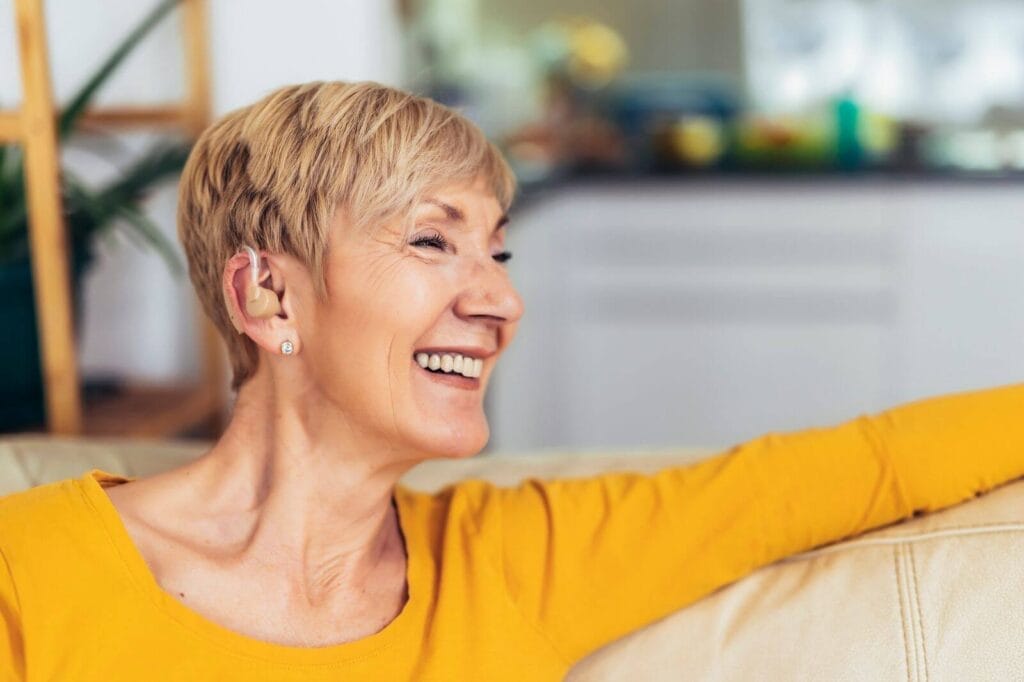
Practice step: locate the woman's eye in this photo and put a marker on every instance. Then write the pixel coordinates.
(436, 241)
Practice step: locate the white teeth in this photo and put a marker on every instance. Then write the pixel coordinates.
(451, 363)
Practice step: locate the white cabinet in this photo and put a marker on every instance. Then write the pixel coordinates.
(707, 313)
(961, 286)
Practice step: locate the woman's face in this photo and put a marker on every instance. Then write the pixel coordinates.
(441, 291)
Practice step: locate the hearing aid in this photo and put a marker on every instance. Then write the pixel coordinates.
(259, 301)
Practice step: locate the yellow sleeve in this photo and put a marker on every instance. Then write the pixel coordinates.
(588, 560)
(12, 661)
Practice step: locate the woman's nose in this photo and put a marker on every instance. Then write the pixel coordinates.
(489, 292)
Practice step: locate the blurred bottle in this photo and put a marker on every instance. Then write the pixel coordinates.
(849, 152)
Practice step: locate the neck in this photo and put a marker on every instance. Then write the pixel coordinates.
(293, 484)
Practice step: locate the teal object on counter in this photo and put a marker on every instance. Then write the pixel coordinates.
(849, 151)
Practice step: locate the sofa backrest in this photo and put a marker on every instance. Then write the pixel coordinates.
(28, 460)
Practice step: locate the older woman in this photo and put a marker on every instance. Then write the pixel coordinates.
(348, 239)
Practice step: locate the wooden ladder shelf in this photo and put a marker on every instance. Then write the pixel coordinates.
(150, 411)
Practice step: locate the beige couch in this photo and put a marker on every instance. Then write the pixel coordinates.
(940, 597)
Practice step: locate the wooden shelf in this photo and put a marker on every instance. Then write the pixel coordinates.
(10, 126)
(138, 410)
(150, 117)
(127, 116)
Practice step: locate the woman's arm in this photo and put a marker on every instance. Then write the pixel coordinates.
(934, 453)
(588, 560)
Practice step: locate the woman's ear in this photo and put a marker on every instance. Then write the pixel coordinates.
(234, 295)
(245, 299)
(258, 310)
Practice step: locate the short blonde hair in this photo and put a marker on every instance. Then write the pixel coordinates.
(272, 174)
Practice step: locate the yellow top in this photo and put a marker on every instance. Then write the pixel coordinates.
(504, 583)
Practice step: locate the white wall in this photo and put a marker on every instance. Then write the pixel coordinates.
(139, 321)
(260, 44)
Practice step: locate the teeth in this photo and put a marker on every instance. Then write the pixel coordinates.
(451, 363)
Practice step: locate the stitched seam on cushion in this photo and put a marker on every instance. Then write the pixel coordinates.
(1009, 525)
(899, 597)
(920, 618)
(499, 565)
(911, 611)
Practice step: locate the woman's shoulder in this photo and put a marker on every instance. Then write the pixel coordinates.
(46, 514)
(56, 550)
(42, 498)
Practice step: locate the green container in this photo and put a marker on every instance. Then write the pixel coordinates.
(22, 404)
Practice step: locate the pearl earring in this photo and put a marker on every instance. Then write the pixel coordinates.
(287, 347)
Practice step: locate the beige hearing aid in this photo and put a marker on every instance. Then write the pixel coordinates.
(259, 301)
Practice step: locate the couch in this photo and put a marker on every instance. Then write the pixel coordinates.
(937, 597)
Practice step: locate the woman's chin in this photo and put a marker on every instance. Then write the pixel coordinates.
(461, 444)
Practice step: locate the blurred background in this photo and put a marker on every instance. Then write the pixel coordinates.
(735, 216)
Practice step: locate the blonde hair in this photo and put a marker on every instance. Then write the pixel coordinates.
(272, 174)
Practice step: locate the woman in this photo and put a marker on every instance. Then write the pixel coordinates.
(376, 224)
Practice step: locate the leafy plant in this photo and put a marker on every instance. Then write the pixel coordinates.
(89, 212)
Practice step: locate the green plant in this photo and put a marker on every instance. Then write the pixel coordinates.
(90, 212)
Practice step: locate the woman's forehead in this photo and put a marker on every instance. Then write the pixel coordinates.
(459, 217)
(464, 205)
(479, 190)
(462, 199)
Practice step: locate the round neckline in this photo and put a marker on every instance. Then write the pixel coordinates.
(92, 485)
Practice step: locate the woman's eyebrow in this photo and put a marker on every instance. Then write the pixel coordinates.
(455, 214)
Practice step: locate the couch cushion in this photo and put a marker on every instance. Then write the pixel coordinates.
(29, 460)
(939, 597)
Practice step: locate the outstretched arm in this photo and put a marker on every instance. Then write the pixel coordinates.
(588, 560)
(875, 470)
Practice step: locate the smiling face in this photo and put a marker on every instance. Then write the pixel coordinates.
(393, 296)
